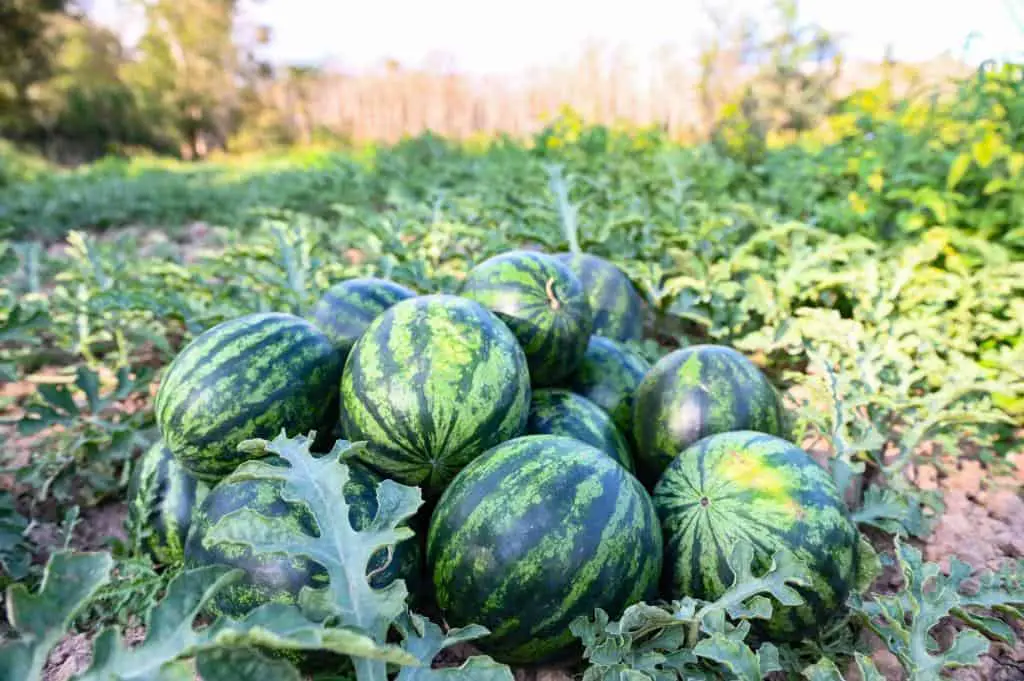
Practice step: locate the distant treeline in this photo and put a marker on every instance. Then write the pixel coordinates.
(71, 91)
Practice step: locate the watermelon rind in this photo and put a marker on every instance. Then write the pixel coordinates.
(694, 392)
(534, 533)
(161, 499)
(560, 412)
(761, 489)
(249, 377)
(617, 307)
(542, 302)
(347, 308)
(433, 382)
(609, 376)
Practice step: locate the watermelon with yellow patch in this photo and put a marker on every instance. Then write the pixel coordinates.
(758, 488)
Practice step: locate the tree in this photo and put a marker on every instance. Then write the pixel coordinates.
(26, 57)
(189, 70)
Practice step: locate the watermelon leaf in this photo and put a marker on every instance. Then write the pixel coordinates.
(826, 670)
(424, 640)
(243, 664)
(690, 638)
(69, 582)
(343, 552)
(226, 644)
(904, 621)
(892, 511)
(15, 552)
(1001, 591)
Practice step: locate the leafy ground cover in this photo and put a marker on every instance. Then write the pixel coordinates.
(873, 267)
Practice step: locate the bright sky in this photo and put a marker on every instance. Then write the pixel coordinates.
(506, 37)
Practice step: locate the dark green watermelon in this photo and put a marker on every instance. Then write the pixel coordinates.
(161, 498)
(560, 412)
(766, 491)
(534, 533)
(348, 307)
(277, 577)
(608, 376)
(695, 392)
(617, 308)
(433, 383)
(249, 377)
(543, 303)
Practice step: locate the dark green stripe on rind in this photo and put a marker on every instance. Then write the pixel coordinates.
(536, 532)
(161, 500)
(560, 412)
(432, 383)
(609, 376)
(348, 307)
(695, 392)
(277, 577)
(542, 302)
(762, 489)
(617, 308)
(249, 377)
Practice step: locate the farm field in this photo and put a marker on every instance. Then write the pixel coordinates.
(872, 269)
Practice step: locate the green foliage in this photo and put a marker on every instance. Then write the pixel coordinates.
(342, 551)
(15, 551)
(40, 619)
(870, 264)
(225, 648)
(905, 620)
(691, 638)
(87, 439)
(424, 640)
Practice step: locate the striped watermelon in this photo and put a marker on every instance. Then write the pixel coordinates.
(694, 392)
(348, 307)
(246, 378)
(161, 498)
(560, 412)
(537, 531)
(434, 382)
(608, 376)
(543, 303)
(617, 307)
(759, 488)
(277, 577)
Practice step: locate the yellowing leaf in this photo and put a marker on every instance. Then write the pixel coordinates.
(1015, 164)
(860, 207)
(957, 170)
(993, 185)
(986, 149)
(876, 181)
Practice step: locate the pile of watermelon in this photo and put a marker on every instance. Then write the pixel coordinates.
(562, 472)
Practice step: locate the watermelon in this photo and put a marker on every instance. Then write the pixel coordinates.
(695, 392)
(249, 377)
(348, 307)
(608, 376)
(758, 488)
(537, 531)
(543, 303)
(560, 412)
(161, 498)
(433, 383)
(278, 577)
(617, 308)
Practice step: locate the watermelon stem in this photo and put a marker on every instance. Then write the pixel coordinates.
(549, 288)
